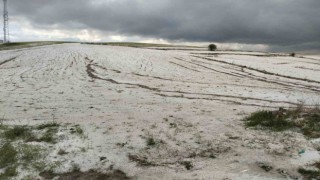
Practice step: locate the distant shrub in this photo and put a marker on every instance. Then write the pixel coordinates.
(293, 54)
(212, 47)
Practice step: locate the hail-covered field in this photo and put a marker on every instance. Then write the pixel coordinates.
(162, 112)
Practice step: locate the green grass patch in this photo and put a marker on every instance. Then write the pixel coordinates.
(311, 125)
(30, 153)
(305, 119)
(8, 155)
(50, 134)
(8, 160)
(17, 154)
(19, 45)
(26, 133)
(48, 125)
(39, 166)
(17, 132)
(268, 119)
(9, 173)
(3, 127)
(15, 44)
(49, 137)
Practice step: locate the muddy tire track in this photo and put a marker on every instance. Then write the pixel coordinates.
(235, 97)
(157, 91)
(221, 100)
(194, 70)
(205, 67)
(8, 60)
(279, 82)
(147, 76)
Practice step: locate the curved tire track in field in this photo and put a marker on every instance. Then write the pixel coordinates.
(92, 73)
(211, 69)
(8, 60)
(279, 82)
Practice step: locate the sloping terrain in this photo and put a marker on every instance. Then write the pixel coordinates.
(163, 113)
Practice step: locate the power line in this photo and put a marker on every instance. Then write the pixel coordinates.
(5, 22)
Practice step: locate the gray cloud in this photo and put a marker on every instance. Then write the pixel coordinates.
(274, 22)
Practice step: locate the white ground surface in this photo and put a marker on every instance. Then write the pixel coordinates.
(190, 102)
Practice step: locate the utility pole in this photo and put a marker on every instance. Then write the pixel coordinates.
(5, 23)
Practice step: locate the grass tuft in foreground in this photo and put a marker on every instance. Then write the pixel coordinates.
(305, 119)
(26, 133)
(8, 159)
(269, 119)
(49, 125)
(8, 155)
(18, 132)
(49, 136)
(30, 153)
(9, 173)
(17, 154)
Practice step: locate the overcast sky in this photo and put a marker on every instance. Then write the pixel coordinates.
(257, 24)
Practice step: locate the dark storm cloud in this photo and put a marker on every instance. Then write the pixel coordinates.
(276, 22)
